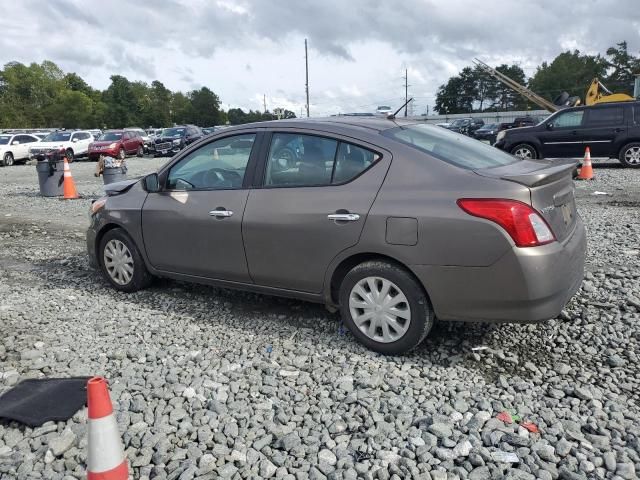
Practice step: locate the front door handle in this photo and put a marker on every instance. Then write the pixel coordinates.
(618, 130)
(221, 213)
(344, 217)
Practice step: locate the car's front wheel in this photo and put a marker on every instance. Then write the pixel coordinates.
(70, 155)
(524, 150)
(385, 307)
(7, 161)
(630, 155)
(122, 154)
(140, 151)
(122, 263)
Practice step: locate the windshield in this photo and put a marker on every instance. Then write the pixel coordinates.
(455, 149)
(4, 139)
(491, 126)
(110, 136)
(58, 137)
(384, 107)
(173, 132)
(458, 122)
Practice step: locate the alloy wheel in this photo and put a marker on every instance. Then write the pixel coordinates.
(118, 261)
(632, 156)
(379, 309)
(523, 152)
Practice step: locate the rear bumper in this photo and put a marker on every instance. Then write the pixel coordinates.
(525, 285)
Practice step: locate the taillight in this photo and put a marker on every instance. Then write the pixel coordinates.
(523, 223)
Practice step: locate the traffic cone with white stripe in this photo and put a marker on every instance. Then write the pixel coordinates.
(105, 460)
(69, 186)
(586, 171)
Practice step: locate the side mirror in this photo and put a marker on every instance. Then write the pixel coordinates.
(74, 140)
(15, 142)
(549, 126)
(152, 183)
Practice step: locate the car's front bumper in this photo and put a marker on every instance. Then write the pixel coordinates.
(525, 285)
(91, 243)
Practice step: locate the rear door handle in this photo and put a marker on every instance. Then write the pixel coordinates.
(344, 217)
(221, 213)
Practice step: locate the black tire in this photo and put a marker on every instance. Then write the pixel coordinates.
(140, 151)
(522, 147)
(141, 278)
(70, 156)
(122, 154)
(7, 161)
(561, 99)
(630, 155)
(421, 313)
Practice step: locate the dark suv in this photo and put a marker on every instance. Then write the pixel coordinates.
(609, 130)
(175, 139)
(466, 126)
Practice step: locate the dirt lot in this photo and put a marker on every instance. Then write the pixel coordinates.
(211, 383)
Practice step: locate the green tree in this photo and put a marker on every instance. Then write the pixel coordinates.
(623, 67)
(181, 108)
(205, 107)
(120, 101)
(569, 72)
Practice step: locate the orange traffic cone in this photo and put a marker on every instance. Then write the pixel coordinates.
(105, 460)
(69, 186)
(586, 172)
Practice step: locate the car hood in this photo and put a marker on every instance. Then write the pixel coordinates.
(166, 139)
(50, 144)
(116, 188)
(104, 143)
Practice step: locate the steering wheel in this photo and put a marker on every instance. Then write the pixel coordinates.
(218, 176)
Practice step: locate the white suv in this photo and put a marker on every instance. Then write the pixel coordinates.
(15, 147)
(72, 144)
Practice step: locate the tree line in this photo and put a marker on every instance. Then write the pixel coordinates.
(43, 95)
(473, 90)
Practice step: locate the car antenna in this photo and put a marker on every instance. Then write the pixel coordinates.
(392, 116)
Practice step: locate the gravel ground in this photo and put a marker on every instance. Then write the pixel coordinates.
(210, 383)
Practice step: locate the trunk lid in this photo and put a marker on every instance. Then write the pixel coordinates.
(551, 187)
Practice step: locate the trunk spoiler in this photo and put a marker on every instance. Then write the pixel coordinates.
(532, 173)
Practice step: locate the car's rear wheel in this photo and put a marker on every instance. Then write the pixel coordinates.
(630, 155)
(122, 154)
(121, 262)
(140, 151)
(7, 161)
(524, 150)
(385, 307)
(70, 156)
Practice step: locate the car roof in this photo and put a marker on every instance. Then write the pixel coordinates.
(370, 124)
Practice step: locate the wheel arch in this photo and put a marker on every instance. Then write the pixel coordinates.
(536, 148)
(346, 264)
(626, 143)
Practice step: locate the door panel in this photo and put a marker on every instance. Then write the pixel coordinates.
(289, 239)
(603, 127)
(564, 139)
(181, 236)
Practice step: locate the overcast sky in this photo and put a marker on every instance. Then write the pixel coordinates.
(358, 49)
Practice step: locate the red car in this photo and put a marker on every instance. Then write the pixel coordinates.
(117, 144)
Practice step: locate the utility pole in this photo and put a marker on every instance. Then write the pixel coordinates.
(406, 91)
(306, 67)
(264, 101)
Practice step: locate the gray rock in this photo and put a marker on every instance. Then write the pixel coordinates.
(327, 456)
(441, 430)
(61, 444)
(480, 473)
(267, 469)
(626, 471)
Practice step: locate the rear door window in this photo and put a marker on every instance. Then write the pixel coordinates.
(636, 114)
(602, 117)
(351, 161)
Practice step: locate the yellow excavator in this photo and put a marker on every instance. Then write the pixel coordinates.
(597, 92)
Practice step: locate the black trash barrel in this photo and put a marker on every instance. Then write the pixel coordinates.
(114, 174)
(50, 177)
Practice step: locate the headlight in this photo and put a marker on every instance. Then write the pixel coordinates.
(98, 205)
(113, 145)
(501, 135)
(176, 141)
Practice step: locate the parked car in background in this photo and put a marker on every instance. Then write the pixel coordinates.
(209, 130)
(175, 139)
(610, 130)
(346, 226)
(117, 144)
(146, 139)
(466, 126)
(487, 133)
(96, 132)
(15, 148)
(384, 110)
(73, 144)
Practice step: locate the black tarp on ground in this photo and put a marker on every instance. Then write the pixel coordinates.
(36, 401)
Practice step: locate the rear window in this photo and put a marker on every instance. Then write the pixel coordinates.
(459, 150)
(605, 116)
